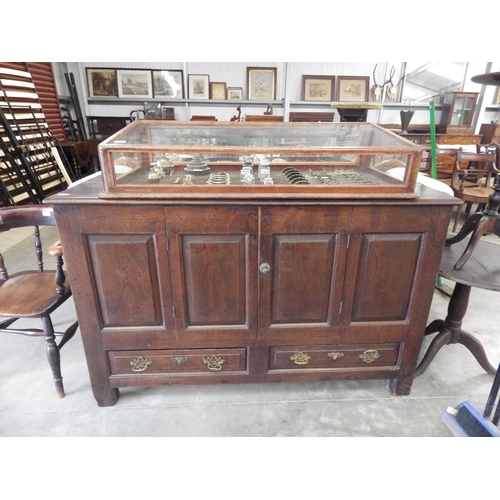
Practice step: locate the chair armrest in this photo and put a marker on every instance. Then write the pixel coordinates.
(56, 250)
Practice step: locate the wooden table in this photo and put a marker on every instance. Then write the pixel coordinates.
(482, 270)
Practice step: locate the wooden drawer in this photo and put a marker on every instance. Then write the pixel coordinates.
(185, 361)
(465, 139)
(334, 356)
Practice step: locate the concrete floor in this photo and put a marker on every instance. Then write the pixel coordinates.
(29, 406)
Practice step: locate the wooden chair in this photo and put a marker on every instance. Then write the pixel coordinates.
(475, 168)
(35, 293)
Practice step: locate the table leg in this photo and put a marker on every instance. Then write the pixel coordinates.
(450, 332)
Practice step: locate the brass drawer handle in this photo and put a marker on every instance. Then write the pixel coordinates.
(369, 356)
(140, 364)
(179, 360)
(214, 362)
(301, 358)
(335, 355)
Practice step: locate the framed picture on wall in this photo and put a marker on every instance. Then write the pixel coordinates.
(168, 84)
(198, 86)
(101, 82)
(134, 83)
(218, 90)
(353, 88)
(261, 83)
(235, 93)
(318, 88)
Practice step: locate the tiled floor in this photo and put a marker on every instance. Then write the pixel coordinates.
(29, 405)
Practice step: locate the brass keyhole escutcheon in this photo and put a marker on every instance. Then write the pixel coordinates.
(265, 268)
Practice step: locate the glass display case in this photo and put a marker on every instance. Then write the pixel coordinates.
(158, 159)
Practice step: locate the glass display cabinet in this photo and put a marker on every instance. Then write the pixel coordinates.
(258, 160)
(458, 112)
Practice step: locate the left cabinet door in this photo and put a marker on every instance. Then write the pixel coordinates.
(213, 261)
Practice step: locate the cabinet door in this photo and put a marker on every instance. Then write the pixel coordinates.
(213, 258)
(121, 277)
(393, 257)
(302, 264)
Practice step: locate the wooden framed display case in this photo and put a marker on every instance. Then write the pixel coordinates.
(458, 112)
(326, 160)
(204, 283)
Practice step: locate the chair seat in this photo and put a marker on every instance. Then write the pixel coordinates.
(30, 294)
(477, 193)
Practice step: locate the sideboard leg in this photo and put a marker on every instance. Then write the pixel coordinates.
(105, 397)
(401, 386)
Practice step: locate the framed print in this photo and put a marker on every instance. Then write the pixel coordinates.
(198, 86)
(353, 88)
(134, 83)
(261, 83)
(318, 88)
(168, 84)
(102, 82)
(218, 90)
(235, 93)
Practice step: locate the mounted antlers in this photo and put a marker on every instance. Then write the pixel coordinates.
(377, 90)
(392, 90)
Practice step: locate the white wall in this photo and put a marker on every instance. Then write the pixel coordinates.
(288, 88)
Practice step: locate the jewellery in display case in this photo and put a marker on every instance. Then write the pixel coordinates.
(197, 166)
(188, 180)
(219, 178)
(294, 176)
(155, 173)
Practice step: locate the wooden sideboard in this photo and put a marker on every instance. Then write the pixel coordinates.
(243, 291)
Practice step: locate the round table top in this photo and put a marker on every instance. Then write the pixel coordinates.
(487, 78)
(482, 270)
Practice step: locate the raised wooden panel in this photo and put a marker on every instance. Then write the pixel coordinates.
(213, 258)
(302, 278)
(215, 279)
(305, 248)
(125, 276)
(386, 275)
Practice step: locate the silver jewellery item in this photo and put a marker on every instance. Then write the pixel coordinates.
(219, 178)
(188, 180)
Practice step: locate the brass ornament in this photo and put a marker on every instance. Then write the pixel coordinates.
(140, 364)
(214, 362)
(179, 360)
(369, 356)
(335, 355)
(301, 358)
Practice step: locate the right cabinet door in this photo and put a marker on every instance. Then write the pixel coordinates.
(393, 258)
(301, 272)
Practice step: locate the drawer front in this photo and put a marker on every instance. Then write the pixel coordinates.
(183, 361)
(332, 357)
(465, 139)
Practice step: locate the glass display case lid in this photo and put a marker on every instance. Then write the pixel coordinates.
(311, 137)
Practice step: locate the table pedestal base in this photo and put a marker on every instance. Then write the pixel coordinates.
(450, 332)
